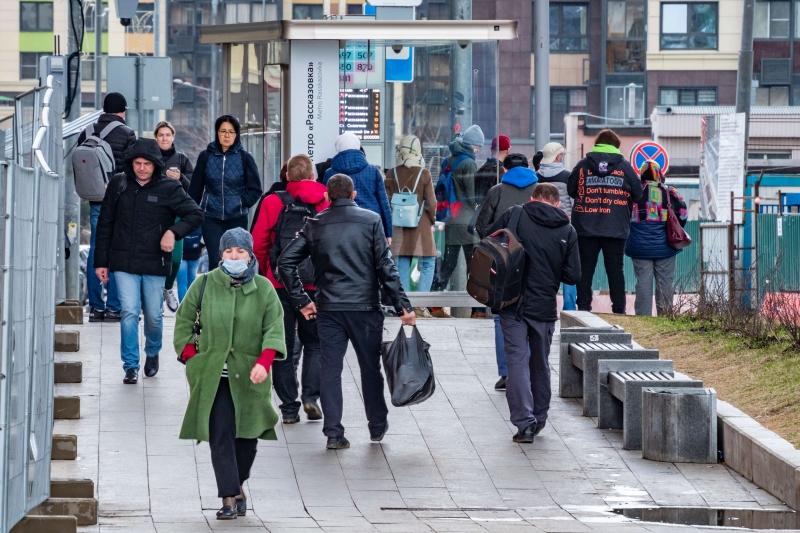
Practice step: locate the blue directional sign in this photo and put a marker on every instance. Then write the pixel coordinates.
(400, 65)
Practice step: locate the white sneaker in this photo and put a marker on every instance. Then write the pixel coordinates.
(171, 298)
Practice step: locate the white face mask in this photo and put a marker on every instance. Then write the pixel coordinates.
(234, 267)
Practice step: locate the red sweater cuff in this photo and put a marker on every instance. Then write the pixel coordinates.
(188, 352)
(266, 358)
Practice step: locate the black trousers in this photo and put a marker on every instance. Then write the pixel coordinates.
(449, 262)
(613, 250)
(284, 373)
(230, 457)
(365, 330)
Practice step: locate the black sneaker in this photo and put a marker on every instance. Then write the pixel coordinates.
(312, 410)
(96, 315)
(337, 443)
(291, 418)
(377, 437)
(501, 383)
(539, 427)
(131, 377)
(151, 366)
(112, 316)
(526, 435)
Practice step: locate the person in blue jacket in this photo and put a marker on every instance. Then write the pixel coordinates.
(225, 184)
(368, 179)
(647, 243)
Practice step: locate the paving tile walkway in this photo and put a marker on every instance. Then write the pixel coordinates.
(446, 465)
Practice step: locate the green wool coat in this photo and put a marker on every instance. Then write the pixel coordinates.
(238, 324)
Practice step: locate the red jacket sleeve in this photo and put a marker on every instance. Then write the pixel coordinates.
(266, 358)
(263, 231)
(188, 352)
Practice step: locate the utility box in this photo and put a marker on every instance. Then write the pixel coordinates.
(145, 82)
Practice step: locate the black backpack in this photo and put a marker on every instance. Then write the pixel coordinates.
(496, 271)
(290, 222)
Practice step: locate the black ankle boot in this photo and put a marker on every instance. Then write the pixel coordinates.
(228, 511)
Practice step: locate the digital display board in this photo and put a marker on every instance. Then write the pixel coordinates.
(360, 113)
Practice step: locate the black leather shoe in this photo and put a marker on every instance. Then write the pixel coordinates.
(131, 377)
(228, 511)
(96, 315)
(291, 419)
(539, 427)
(151, 366)
(241, 506)
(112, 316)
(377, 437)
(337, 443)
(501, 383)
(312, 410)
(526, 435)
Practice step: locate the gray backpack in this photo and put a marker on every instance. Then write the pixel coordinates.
(93, 164)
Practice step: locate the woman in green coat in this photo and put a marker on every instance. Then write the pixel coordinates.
(228, 366)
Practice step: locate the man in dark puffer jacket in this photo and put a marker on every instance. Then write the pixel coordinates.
(136, 233)
(605, 188)
(120, 139)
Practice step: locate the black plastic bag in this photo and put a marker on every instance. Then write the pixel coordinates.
(409, 369)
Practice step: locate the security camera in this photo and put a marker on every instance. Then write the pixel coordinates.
(126, 10)
(397, 48)
(463, 44)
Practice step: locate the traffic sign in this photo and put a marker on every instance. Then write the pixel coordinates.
(649, 150)
(400, 64)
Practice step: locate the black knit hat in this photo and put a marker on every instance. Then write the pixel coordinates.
(515, 160)
(114, 103)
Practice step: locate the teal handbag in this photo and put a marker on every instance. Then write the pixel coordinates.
(405, 211)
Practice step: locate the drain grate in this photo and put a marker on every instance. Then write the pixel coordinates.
(446, 509)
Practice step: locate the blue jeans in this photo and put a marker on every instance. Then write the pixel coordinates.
(427, 267)
(186, 275)
(138, 291)
(570, 293)
(93, 283)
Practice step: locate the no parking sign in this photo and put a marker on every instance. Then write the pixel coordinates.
(649, 150)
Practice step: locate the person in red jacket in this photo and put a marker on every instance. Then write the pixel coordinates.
(281, 216)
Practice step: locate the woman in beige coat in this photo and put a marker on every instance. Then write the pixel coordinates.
(408, 243)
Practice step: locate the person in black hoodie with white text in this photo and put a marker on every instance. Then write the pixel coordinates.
(551, 258)
(605, 187)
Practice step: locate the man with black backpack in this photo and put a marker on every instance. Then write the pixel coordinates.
(280, 216)
(93, 165)
(551, 258)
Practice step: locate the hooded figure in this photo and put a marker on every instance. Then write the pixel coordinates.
(136, 233)
(605, 187)
(367, 179)
(225, 184)
(647, 244)
(515, 188)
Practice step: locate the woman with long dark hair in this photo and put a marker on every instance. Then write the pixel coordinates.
(225, 185)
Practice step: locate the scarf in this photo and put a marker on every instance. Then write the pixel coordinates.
(409, 152)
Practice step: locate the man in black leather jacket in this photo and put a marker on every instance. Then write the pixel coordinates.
(352, 261)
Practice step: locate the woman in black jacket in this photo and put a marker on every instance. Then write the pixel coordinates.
(176, 166)
(226, 184)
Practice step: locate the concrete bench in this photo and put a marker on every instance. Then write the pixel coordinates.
(619, 394)
(570, 379)
(679, 425)
(585, 355)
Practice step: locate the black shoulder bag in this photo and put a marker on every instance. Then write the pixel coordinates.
(197, 328)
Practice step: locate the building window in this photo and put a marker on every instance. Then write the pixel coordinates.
(691, 26)
(247, 12)
(625, 39)
(307, 11)
(563, 100)
(87, 67)
(674, 96)
(89, 17)
(625, 104)
(772, 96)
(29, 64)
(36, 16)
(771, 20)
(143, 21)
(569, 27)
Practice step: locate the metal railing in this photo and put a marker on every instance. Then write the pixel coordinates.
(31, 245)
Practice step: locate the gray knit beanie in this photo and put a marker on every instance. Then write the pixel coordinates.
(474, 136)
(236, 237)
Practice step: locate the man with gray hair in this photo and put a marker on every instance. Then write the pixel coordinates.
(351, 261)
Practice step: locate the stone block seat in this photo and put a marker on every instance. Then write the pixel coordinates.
(679, 425)
(570, 378)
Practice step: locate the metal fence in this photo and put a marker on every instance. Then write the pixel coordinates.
(30, 201)
(778, 253)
